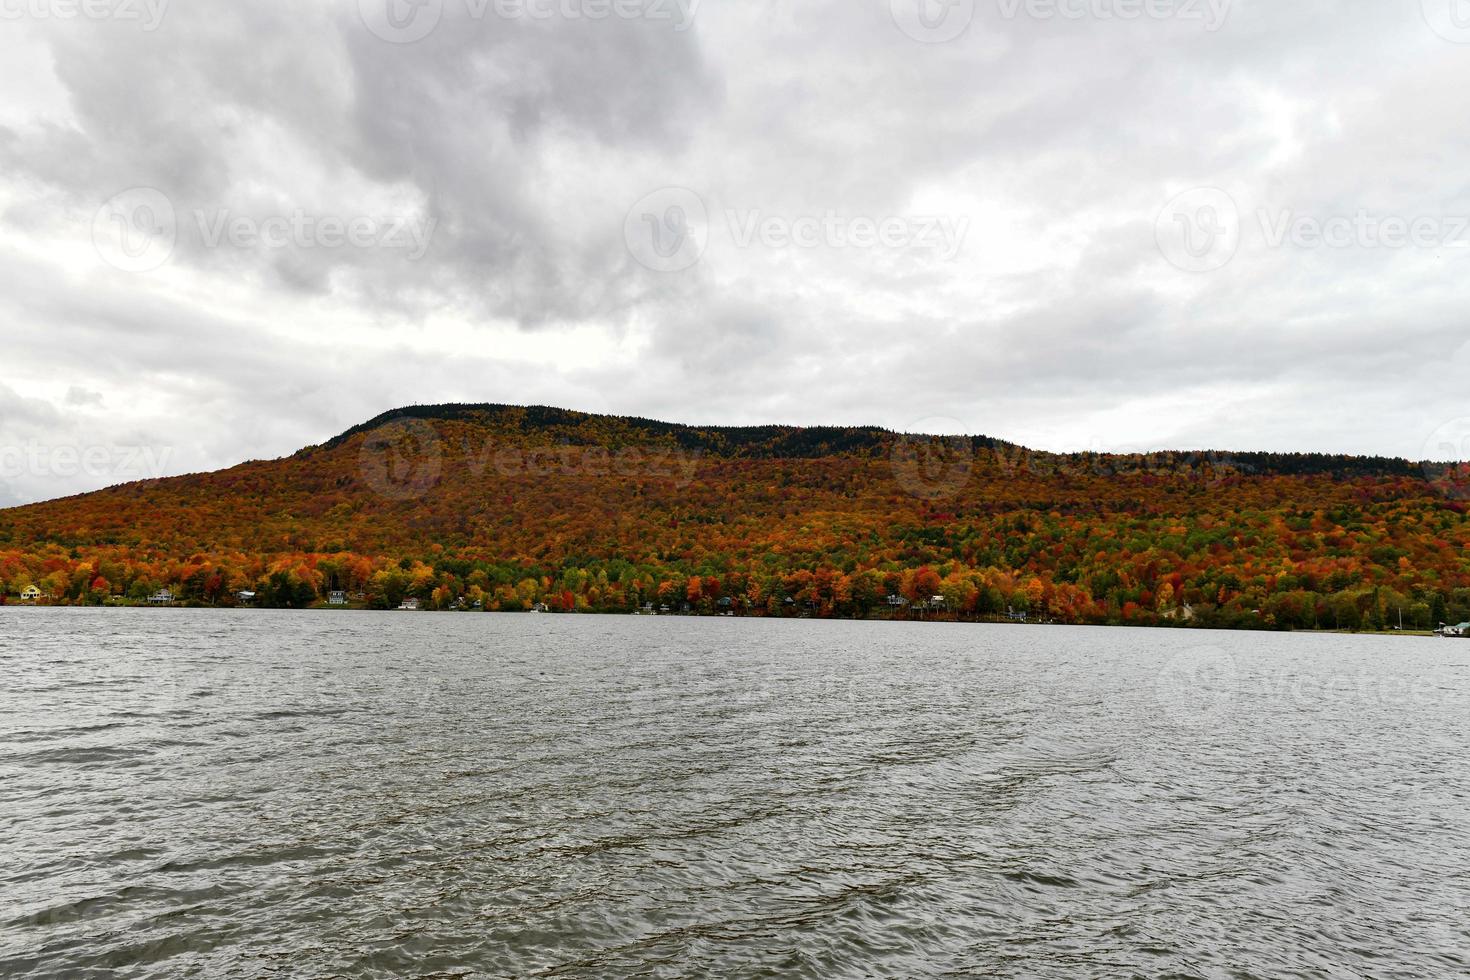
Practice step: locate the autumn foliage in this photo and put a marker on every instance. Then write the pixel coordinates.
(506, 508)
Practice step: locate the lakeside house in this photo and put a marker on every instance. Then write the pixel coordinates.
(163, 597)
(1462, 629)
(897, 601)
(244, 597)
(31, 594)
(337, 598)
(409, 605)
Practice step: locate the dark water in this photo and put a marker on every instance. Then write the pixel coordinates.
(358, 795)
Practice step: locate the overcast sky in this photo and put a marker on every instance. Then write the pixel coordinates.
(228, 230)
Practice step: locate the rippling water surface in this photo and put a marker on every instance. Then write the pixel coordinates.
(357, 794)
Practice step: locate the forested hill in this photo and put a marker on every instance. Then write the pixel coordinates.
(506, 508)
(809, 442)
(583, 429)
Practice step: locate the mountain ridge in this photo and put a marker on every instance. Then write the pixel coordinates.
(692, 436)
(517, 506)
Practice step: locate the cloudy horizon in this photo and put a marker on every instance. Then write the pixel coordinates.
(1115, 225)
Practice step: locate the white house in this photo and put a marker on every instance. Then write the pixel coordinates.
(337, 598)
(162, 597)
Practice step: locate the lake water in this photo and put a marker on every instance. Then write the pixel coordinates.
(247, 794)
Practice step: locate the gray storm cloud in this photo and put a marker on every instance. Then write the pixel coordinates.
(231, 230)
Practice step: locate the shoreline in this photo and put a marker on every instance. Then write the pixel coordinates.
(1003, 621)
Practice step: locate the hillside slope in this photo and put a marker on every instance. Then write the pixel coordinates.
(510, 506)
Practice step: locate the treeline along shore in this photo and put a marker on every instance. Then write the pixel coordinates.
(504, 509)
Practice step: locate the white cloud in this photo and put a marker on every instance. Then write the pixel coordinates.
(523, 143)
